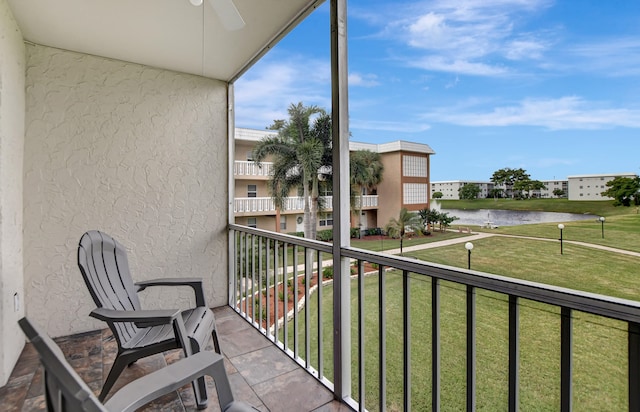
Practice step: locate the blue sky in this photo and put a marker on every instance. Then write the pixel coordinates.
(549, 86)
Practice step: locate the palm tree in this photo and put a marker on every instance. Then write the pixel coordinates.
(397, 228)
(300, 152)
(366, 173)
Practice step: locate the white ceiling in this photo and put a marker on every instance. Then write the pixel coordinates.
(169, 34)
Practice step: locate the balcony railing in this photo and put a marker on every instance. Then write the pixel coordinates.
(250, 168)
(292, 204)
(414, 356)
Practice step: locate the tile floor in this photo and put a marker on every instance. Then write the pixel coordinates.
(260, 374)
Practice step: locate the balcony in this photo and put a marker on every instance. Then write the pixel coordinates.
(250, 206)
(339, 324)
(260, 374)
(249, 169)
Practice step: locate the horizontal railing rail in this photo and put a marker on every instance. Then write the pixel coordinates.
(251, 168)
(295, 203)
(260, 255)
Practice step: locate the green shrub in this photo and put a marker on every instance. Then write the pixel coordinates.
(327, 272)
(324, 235)
(373, 231)
(354, 232)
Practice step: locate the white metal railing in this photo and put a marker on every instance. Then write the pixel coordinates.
(296, 203)
(262, 261)
(251, 168)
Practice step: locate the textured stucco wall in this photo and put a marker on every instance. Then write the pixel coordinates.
(12, 101)
(137, 152)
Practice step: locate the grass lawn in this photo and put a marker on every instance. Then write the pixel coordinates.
(599, 208)
(622, 231)
(600, 345)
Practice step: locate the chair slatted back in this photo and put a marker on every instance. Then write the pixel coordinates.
(65, 391)
(105, 268)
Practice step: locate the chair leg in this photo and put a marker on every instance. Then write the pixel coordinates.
(199, 385)
(200, 390)
(118, 366)
(216, 344)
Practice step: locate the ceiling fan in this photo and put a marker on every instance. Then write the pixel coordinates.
(227, 12)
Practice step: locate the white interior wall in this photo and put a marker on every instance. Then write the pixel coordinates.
(137, 152)
(12, 103)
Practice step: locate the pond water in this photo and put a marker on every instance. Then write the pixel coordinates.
(480, 217)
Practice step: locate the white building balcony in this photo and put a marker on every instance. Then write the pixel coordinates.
(264, 205)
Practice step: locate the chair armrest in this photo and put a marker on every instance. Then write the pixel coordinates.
(149, 387)
(194, 283)
(142, 318)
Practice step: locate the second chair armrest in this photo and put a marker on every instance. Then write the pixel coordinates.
(194, 283)
(142, 318)
(173, 377)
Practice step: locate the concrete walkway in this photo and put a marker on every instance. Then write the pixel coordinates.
(481, 235)
(441, 243)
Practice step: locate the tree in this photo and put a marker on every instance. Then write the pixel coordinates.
(469, 191)
(558, 192)
(301, 153)
(508, 177)
(366, 173)
(437, 195)
(406, 221)
(445, 220)
(623, 190)
(495, 193)
(428, 217)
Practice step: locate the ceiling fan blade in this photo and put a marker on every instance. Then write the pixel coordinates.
(228, 14)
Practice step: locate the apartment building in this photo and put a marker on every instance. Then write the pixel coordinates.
(405, 184)
(550, 187)
(590, 187)
(450, 189)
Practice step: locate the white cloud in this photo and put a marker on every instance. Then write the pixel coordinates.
(388, 126)
(264, 93)
(363, 80)
(458, 66)
(612, 57)
(555, 114)
(466, 36)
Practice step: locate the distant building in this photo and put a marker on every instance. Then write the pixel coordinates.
(450, 189)
(590, 187)
(550, 186)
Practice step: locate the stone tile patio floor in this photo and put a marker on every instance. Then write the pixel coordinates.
(260, 374)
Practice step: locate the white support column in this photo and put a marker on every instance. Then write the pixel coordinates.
(341, 209)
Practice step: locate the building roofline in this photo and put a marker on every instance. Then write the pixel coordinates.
(603, 175)
(255, 135)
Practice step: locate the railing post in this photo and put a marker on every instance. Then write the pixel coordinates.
(435, 344)
(634, 366)
(514, 352)
(471, 348)
(566, 361)
(341, 212)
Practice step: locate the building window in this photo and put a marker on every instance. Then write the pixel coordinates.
(326, 191)
(326, 219)
(283, 223)
(250, 155)
(414, 166)
(252, 222)
(414, 193)
(252, 191)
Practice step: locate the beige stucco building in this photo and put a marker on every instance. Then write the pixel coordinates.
(405, 184)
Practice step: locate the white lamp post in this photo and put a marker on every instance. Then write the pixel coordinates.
(469, 247)
(561, 226)
(602, 219)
